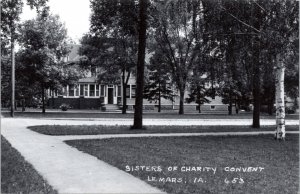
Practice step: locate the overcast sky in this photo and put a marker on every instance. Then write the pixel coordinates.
(74, 13)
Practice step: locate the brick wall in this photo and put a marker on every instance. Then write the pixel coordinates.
(76, 103)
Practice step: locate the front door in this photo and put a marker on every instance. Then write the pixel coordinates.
(110, 95)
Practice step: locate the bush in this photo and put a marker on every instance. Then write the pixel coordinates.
(64, 107)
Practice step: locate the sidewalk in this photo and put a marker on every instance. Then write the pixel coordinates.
(71, 171)
(65, 168)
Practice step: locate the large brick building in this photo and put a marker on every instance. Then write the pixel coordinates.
(88, 93)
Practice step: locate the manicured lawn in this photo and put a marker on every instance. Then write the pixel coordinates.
(96, 129)
(278, 162)
(162, 115)
(17, 175)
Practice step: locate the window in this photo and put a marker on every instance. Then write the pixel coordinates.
(71, 90)
(128, 91)
(213, 93)
(86, 90)
(212, 107)
(64, 91)
(93, 70)
(81, 89)
(133, 88)
(119, 91)
(102, 90)
(92, 90)
(76, 90)
(97, 90)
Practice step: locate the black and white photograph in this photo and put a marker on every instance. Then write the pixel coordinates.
(150, 96)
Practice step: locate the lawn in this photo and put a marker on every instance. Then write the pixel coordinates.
(17, 175)
(216, 162)
(96, 129)
(150, 115)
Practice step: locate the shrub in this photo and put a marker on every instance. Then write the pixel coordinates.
(64, 107)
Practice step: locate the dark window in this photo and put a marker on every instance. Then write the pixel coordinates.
(97, 90)
(92, 90)
(133, 88)
(81, 90)
(119, 91)
(71, 90)
(102, 90)
(128, 91)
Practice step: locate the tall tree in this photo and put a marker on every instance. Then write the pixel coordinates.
(176, 36)
(265, 28)
(198, 92)
(283, 28)
(158, 84)
(44, 43)
(116, 21)
(10, 12)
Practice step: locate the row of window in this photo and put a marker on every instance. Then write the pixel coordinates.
(91, 90)
(94, 90)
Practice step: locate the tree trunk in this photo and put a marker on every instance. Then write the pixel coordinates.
(43, 99)
(138, 111)
(12, 109)
(257, 15)
(124, 83)
(230, 104)
(23, 104)
(236, 106)
(256, 100)
(270, 106)
(199, 98)
(159, 98)
(256, 91)
(181, 105)
(280, 106)
(124, 107)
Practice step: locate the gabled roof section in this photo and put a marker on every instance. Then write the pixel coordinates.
(87, 80)
(73, 56)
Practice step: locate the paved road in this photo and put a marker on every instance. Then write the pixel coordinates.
(71, 171)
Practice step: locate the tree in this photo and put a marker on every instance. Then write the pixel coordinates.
(10, 11)
(284, 48)
(158, 84)
(115, 23)
(43, 43)
(138, 111)
(266, 28)
(198, 92)
(112, 57)
(178, 37)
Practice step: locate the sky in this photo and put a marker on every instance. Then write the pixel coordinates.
(74, 13)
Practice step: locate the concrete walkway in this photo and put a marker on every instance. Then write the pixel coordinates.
(69, 170)
(65, 168)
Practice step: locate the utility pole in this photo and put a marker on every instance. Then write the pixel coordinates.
(12, 108)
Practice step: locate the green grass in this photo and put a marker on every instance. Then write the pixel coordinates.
(97, 129)
(280, 160)
(17, 175)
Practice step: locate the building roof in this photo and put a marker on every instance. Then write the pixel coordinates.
(87, 80)
(73, 55)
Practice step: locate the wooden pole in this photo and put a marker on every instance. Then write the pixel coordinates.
(12, 108)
